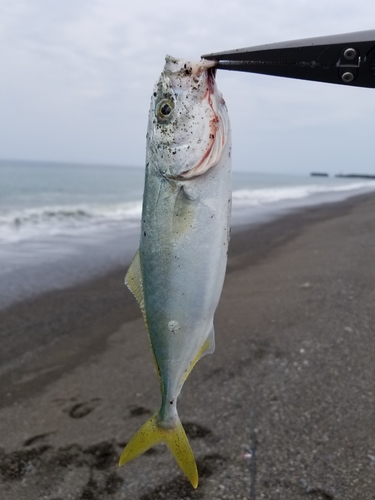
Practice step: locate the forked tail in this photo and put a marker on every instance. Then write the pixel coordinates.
(151, 434)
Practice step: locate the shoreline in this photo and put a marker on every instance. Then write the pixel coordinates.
(71, 302)
(284, 407)
(46, 264)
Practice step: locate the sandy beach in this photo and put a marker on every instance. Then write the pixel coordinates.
(283, 410)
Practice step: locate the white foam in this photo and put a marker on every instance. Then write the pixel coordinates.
(46, 221)
(265, 196)
(49, 221)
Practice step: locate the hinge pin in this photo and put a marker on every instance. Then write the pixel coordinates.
(350, 54)
(347, 77)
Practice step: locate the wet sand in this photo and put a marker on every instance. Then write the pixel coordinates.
(284, 409)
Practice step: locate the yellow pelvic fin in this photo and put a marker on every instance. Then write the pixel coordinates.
(151, 434)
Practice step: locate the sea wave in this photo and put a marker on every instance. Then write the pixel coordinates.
(265, 196)
(43, 222)
(33, 222)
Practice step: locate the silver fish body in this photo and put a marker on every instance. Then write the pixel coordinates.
(178, 273)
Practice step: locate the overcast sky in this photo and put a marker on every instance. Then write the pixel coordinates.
(76, 78)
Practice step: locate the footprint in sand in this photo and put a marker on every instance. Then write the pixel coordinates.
(195, 431)
(137, 411)
(37, 438)
(80, 410)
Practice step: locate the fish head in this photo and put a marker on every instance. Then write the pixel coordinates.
(189, 124)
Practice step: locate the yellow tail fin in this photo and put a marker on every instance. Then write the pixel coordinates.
(151, 434)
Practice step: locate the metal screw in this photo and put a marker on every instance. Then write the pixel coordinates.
(347, 77)
(350, 54)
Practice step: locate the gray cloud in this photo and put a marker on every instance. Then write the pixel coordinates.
(77, 76)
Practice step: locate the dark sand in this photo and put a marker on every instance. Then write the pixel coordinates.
(284, 409)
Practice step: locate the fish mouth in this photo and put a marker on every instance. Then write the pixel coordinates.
(179, 67)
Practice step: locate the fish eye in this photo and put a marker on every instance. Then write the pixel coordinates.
(164, 110)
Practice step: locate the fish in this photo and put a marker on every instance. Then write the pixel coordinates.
(177, 274)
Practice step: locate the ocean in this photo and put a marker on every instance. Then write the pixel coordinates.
(64, 223)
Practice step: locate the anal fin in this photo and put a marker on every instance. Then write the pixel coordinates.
(209, 345)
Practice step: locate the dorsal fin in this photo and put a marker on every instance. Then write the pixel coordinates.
(133, 280)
